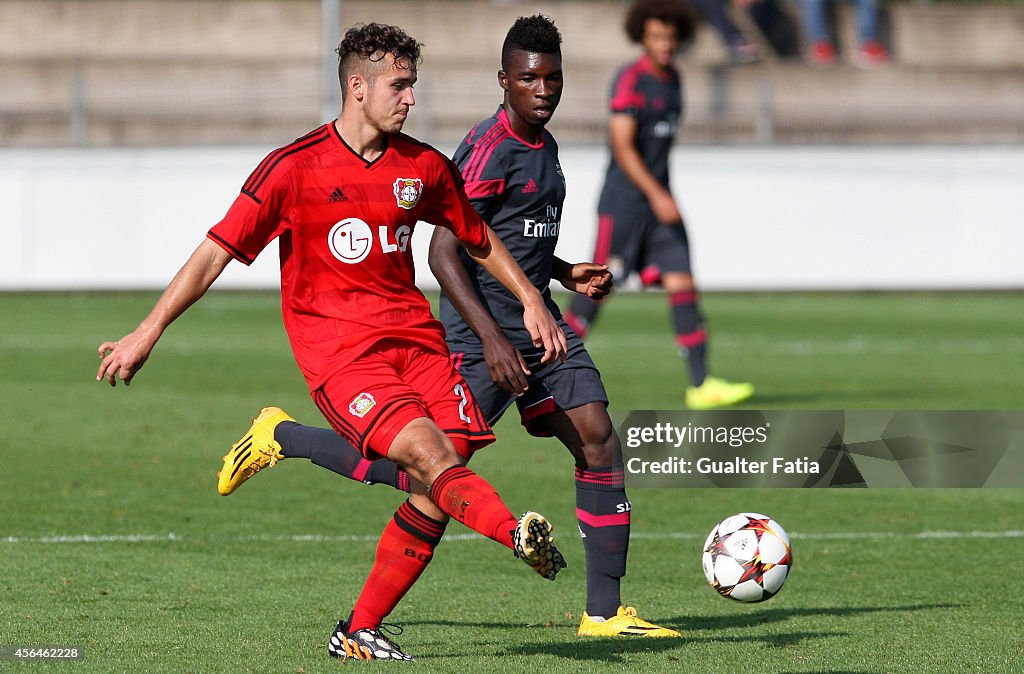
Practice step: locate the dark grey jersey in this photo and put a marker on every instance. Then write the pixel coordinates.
(518, 189)
(654, 98)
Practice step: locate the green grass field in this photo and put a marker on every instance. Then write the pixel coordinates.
(114, 539)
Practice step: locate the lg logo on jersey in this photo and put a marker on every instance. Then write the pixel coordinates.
(351, 240)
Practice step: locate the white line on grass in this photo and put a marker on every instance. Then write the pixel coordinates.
(327, 538)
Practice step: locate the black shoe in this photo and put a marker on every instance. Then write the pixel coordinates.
(364, 644)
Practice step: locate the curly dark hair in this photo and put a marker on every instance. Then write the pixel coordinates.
(370, 43)
(673, 12)
(536, 34)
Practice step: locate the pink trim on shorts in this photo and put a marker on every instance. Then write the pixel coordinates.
(650, 275)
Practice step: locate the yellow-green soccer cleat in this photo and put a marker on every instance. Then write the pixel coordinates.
(715, 392)
(625, 623)
(255, 451)
(533, 543)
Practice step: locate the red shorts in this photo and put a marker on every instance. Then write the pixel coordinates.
(374, 398)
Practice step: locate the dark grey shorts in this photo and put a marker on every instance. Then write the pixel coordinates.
(552, 388)
(630, 239)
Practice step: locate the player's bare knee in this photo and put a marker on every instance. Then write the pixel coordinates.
(423, 450)
(601, 447)
(677, 282)
(599, 454)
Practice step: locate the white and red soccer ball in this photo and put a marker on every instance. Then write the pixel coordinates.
(747, 557)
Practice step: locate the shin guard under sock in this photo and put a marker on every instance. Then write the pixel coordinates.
(405, 548)
(470, 499)
(603, 512)
(691, 337)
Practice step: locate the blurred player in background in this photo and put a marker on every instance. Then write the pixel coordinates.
(343, 201)
(640, 227)
(514, 180)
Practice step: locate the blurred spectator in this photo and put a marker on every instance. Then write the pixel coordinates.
(775, 24)
(822, 51)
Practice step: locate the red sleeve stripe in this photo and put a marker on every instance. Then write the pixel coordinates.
(235, 253)
(625, 95)
(482, 189)
(482, 151)
(259, 176)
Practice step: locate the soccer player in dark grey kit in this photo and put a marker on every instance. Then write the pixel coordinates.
(640, 228)
(509, 162)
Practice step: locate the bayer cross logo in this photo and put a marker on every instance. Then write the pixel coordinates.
(350, 240)
(407, 192)
(361, 404)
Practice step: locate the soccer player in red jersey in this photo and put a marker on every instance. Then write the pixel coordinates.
(343, 201)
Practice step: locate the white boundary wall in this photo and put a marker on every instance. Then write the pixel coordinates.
(778, 218)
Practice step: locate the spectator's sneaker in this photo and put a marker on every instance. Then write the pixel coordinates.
(364, 644)
(821, 54)
(533, 543)
(255, 451)
(625, 623)
(715, 392)
(872, 55)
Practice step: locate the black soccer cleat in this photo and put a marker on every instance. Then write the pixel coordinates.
(364, 644)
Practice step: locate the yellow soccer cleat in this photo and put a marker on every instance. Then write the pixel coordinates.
(715, 392)
(625, 623)
(255, 451)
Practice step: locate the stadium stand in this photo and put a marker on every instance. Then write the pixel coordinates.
(144, 72)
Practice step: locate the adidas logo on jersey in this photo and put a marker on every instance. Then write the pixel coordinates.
(337, 195)
(530, 187)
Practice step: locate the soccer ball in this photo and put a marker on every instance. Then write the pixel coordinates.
(747, 557)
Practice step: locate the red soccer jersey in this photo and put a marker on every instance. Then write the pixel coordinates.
(345, 224)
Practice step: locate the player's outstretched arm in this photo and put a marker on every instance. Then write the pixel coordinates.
(504, 362)
(587, 278)
(125, 357)
(543, 328)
